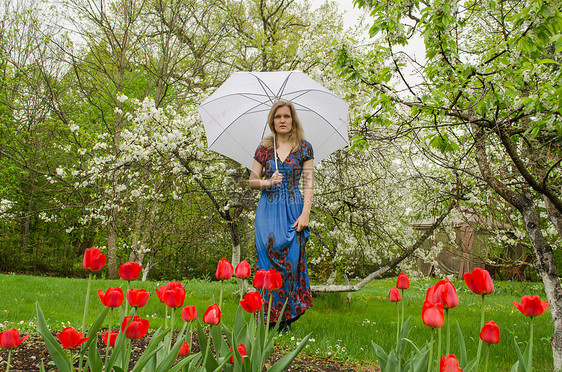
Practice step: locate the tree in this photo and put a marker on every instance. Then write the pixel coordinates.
(489, 85)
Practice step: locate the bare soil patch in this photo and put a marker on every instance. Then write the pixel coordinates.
(28, 356)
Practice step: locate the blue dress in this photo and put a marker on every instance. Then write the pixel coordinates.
(278, 245)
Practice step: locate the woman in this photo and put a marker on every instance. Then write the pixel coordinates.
(282, 216)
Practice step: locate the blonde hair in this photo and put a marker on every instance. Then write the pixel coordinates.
(295, 135)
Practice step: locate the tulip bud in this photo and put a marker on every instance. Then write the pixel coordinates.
(184, 349)
(71, 338)
(243, 270)
(531, 306)
(479, 281)
(490, 333)
(137, 297)
(10, 338)
(241, 349)
(394, 295)
(252, 302)
(130, 270)
(189, 313)
(224, 270)
(403, 282)
(93, 259)
(213, 315)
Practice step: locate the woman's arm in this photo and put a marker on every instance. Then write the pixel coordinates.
(308, 193)
(255, 181)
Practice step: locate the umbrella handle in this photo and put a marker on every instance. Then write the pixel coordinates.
(275, 152)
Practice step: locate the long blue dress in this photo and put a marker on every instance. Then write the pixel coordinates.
(278, 245)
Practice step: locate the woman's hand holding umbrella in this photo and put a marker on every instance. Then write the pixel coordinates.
(276, 178)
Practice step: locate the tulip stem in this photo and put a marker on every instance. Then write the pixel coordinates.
(172, 329)
(268, 316)
(403, 299)
(439, 344)
(479, 351)
(85, 316)
(487, 358)
(126, 301)
(448, 332)
(87, 303)
(108, 337)
(430, 365)
(208, 347)
(220, 296)
(190, 335)
(531, 347)
(397, 325)
(9, 357)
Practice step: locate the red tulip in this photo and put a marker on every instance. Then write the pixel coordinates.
(160, 291)
(184, 349)
(490, 333)
(112, 337)
(10, 338)
(394, 295)
(189, 313)
(479, 281)
(243, 270)
(241, 349)
(112, 298)
(432, 314)
(272, 280)
(224, 270)
(174, 297)
(445, 293)
(137, 297)
(258, 279)
(71, 338)
(531, 305)
(403, 282)
(130, 270)
(213, 315)
(449, 364)
(136, 329)
(252, 302)
(93, 259)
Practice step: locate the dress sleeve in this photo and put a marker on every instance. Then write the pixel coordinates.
(308, 152)
(261, 155)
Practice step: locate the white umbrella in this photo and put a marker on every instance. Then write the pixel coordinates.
(235, 115)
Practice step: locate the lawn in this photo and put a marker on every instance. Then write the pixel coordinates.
(340, 331)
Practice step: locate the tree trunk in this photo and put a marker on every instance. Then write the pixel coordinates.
(112, 251)
(554, 215)
(545, 259)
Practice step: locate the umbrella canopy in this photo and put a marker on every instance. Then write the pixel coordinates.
(235, 115)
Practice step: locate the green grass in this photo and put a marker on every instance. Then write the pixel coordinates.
(338, 330)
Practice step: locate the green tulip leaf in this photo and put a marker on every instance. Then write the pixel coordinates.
(381, 355)
(119, 347)
(462, 347)
(421, 359)
(522, 360)
(150, 350)
(93, 331)
(391, 363)
(185, 361)
(55, 350)
(515, 367)
(94, 359)
(284, 362)
(404, 333)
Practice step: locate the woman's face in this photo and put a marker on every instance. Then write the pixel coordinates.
(282, 120)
